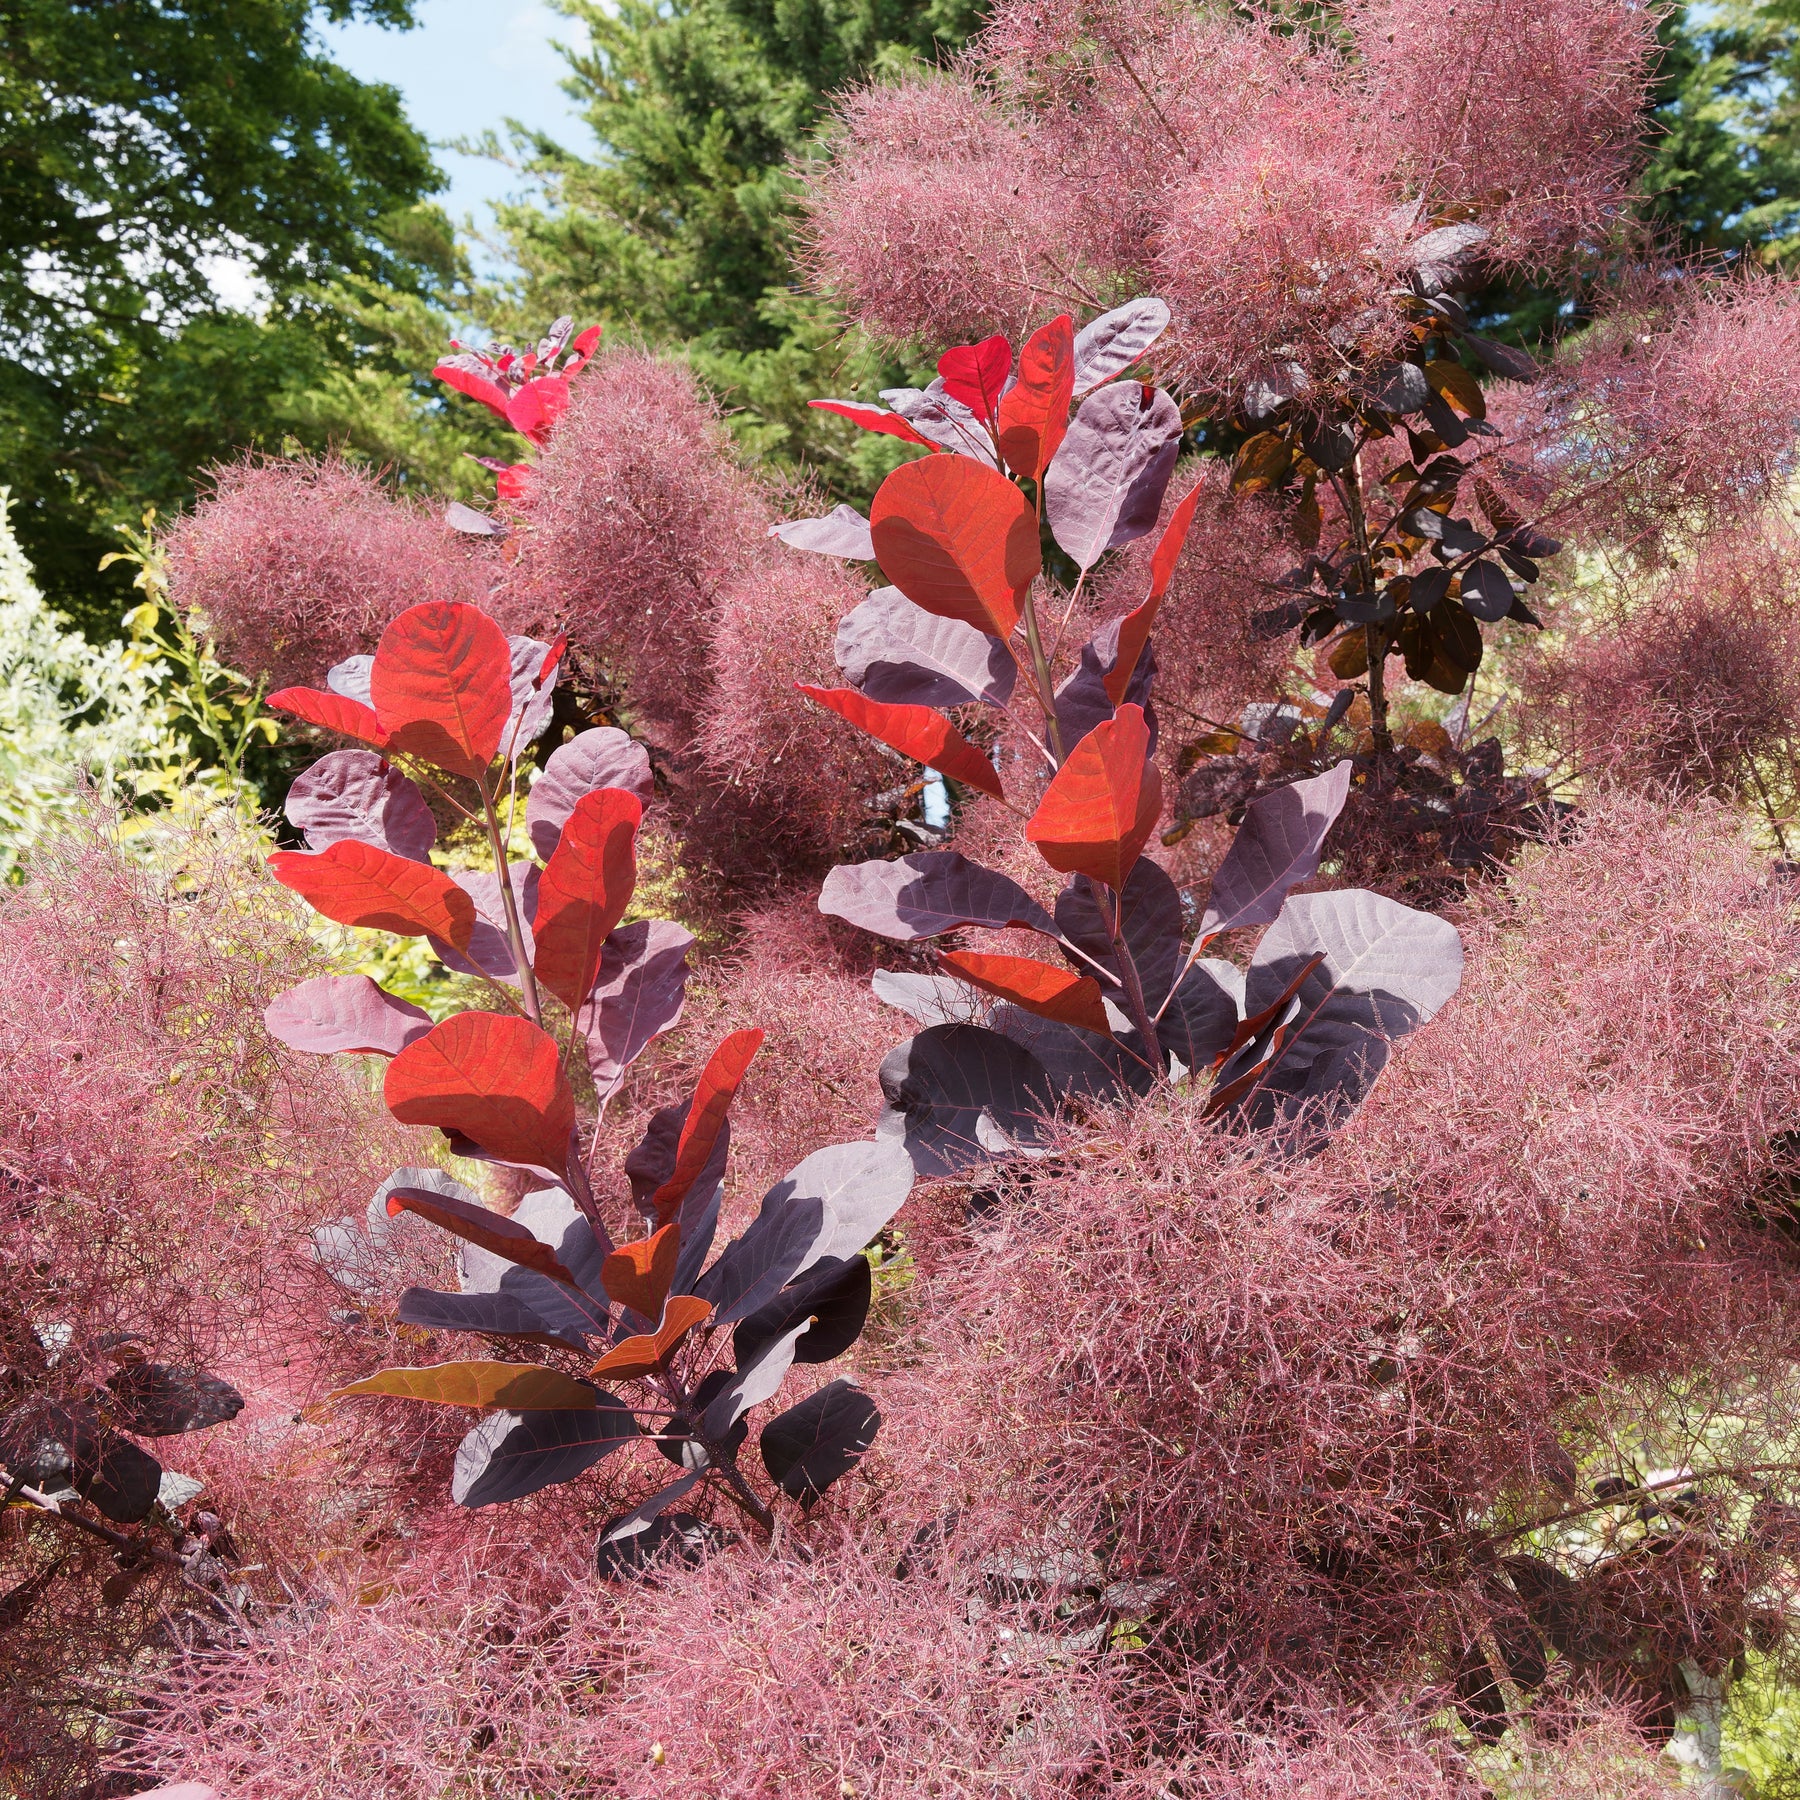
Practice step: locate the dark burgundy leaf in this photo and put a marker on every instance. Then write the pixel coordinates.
(162, 1399)
(1200, 1020)
(1106, 484)
(807, 1448)
(926, 894)
(1109, 345)
(1079, 1063)
(600, 758)
(1152, 927)
(833, 1293)
(358, 794)
(490, 949)
(1503, 359)
(509, 1454)
(1399, 388)
(751, 1384)
(1428, 587)
(634, 1542)
(897, 652)
(1486, 591)
(485, 1315)
(640, 992)
(1083, 700)
(1443, 258)
(959, 1095)
(1276, 848)
(117, 1478)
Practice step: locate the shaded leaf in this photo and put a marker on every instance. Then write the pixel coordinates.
(489, 951)
(499, 1314)
(476, 1224)
(1487, 593)
(1106, 484)
(1109, 345)
(442, 686)
(357, 884)
(1039, 987)
(915, 731)
(634, 1541)
(712, 1098)
(1085, 700)
(601, 758)
(958, 540)
(512, 1454)
(638, 994)
(521, 1386)
(346, 1013)
(1102, 804)
(752, 1384)
(897, 652)
(1079, 1063)
(944, 420)
(497, 1080)
(1034, 415)
(1275, 849)
(584, 891)
(926, 894)
(833, 1294)
(842, 532)
(1503, 359)
(358, 794)
(807, 1448)
(1151, 923)
(942, 1084)
(931, 999)
(639, 1275)
(531, 683)
(163, 1400)
(1200, 1020)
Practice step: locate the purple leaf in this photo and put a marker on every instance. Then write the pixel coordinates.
(163, 1400)
(601, 758)
(1386, 969)
(1443, 257)
(1082, 701)
(751, 1386)
(834, 1293)
(640, 991)
(351, 678)
(531, 705)
(807, 1448)
(926, 894)
(490, 950)
(900, 654)
(1110, 344)
(842, 532)
(1202, 1018)
(931, 999)
(621, 1551)
(356, 794)
(1106, 485)
(936, 416)
(953, 1087)
(1152, 927)
(1276, 848)
(509, 1455)
(754, 1268)
(474, 524)
(344, 1013)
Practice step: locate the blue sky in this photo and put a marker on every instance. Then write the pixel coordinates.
(469, 65)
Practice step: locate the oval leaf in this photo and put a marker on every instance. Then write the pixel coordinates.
(1107, 482)
(333, 711)
(523, 1386)
(1041, 988)
(359, 884)
(357, 794)
(1276, 848)
(842, 532)
(601, 758)
(872, 418)
(1109, 345)
(926, 894)
(1102, 804)
(498, 1081)
(1034, 416)
(957, 539)
(345, 1013)
(442, 686)
(915, 731)
(512, 1454)
(639, 1275)
(500, 1236)
(899, 653)
(584, 891)
(639, 992)
(807, 1448)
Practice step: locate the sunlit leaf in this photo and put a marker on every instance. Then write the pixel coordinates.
(915, 731)
(1102, 804)
(975, 374)
(639, 1274)
(713, 1094)
(645, 1354)
(358, 794)
(584, 891)
(359, 884)
(345, 1013)
(521, 1386)
(493, 1232)
(1034, 415)
(334, 711)
(872, 418)
(442, 686)
(1039, 987)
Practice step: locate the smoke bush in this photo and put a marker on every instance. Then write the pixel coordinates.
(299, 563)
(1298, 1397)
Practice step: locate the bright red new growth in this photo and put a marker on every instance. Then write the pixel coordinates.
(536, 407)
(476, 1225)
(639, 1275)
(975, 374)
(1168, 546)
(496, 1080)
(1102, 804)
(1034, 416)
(335, 712)
(355, 883)
(916, 731)
(706, 1117)
(958, 539)
(873, 418)
(442, 686)
(478, 387)
(1039, 987)
(1134, 634)
(584, 891)
(645, 1354)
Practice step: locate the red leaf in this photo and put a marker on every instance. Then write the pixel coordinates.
(583, 347)
(513, 483)
(975, 373)
(874, 418)
(645, 1355)
(476, 1225)
(915, 731)
(362, 884)
(336, 712)
(478, 387)
(584, 891)
(1102, 804)
(552, 657)
(1034, 416)
(958, 539)
(1039, 987)
(497, 1080)
(442, 686)
(535, 407)
(1134, 628)
(706, 1117)
(639, 1275)
(1168, 546)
